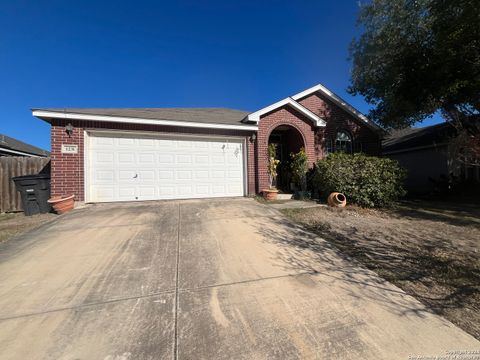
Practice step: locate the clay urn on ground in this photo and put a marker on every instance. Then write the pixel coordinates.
(270, 194)
(336, 199)
(62, 204)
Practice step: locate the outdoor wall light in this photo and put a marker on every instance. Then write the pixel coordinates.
(253, 137)
(69, 129)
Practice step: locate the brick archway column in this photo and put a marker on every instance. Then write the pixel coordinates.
(282, 116)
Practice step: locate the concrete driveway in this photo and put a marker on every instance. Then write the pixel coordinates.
(209, 279)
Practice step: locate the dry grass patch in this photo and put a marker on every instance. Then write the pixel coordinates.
(430, 250)
(12, 224)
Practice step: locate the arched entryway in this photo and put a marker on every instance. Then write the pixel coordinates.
(287, 140)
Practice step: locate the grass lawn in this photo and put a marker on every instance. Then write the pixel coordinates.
(429, 249)
(12, 224)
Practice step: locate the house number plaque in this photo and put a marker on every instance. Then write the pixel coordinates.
(69, 149)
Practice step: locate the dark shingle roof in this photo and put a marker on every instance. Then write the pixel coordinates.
(9, 143)
(202, 115)
(408, 138)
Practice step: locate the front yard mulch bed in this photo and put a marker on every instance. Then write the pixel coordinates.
(430, 250)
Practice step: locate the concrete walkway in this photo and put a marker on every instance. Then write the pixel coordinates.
(210, 279)
(294, 204)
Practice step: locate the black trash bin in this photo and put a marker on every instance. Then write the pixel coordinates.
(35, 191)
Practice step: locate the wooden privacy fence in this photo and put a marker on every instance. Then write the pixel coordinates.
(17, 166)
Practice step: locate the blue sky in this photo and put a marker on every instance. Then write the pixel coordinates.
(238, 54)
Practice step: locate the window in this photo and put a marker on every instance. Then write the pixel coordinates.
(328, 147)
(343, 142)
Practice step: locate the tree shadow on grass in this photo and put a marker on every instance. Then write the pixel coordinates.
(440, 281)
(451, 213)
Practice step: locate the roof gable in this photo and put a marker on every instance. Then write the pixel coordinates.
(337, 100)
(255, 117)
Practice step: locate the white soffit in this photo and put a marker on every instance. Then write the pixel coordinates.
(130, 120)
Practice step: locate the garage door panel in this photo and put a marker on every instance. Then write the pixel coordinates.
(184, 189)
(146, 158)
(167, 144)
(127, 168)
(166, 175)
(184, 144)
(166, 159)
(218, 160)
(201, 174)
(218, 174)
(167, 192)
(234, 188)
(125, 158)
(184, 175)
(104, 157)
(147, 191)
(146, 175)
(103, 141)
(201, 160)
(234, 174)
(183, 159)
(232, 158)
(202, 189)
(104, 176)
(126, 175)
(202, 145)
(122, 142)
(104, 193)
(126, 192)
(218, 190)
(149, 143)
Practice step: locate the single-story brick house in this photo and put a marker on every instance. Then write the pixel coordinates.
(104, 155)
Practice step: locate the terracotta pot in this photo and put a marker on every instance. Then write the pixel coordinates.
(62, 204)
(336, 199)
(270, 194)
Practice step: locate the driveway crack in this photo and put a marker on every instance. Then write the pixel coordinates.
(90, 304)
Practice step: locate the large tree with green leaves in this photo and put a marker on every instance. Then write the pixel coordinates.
(416, 57)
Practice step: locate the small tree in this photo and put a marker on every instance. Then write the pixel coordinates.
(272, 165)
(464, 146)
(417, 57)
(300, 169)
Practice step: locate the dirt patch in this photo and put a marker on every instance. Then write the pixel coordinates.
(12, 224)
(430, 250)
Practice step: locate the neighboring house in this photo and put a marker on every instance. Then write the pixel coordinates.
(13, 147)
(104, 155)
(424, 153)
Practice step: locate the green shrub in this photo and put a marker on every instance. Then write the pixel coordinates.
(365, 180)
(299, 169)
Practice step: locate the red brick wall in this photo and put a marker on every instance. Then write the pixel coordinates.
(364, 138)
(67, 172)
(251, 166)
(267, 123)
(67, 169)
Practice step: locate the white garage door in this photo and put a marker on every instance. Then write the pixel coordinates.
(131, 167)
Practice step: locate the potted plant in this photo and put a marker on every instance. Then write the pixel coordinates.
(62, 204)
(272, 192)
(299, 174)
